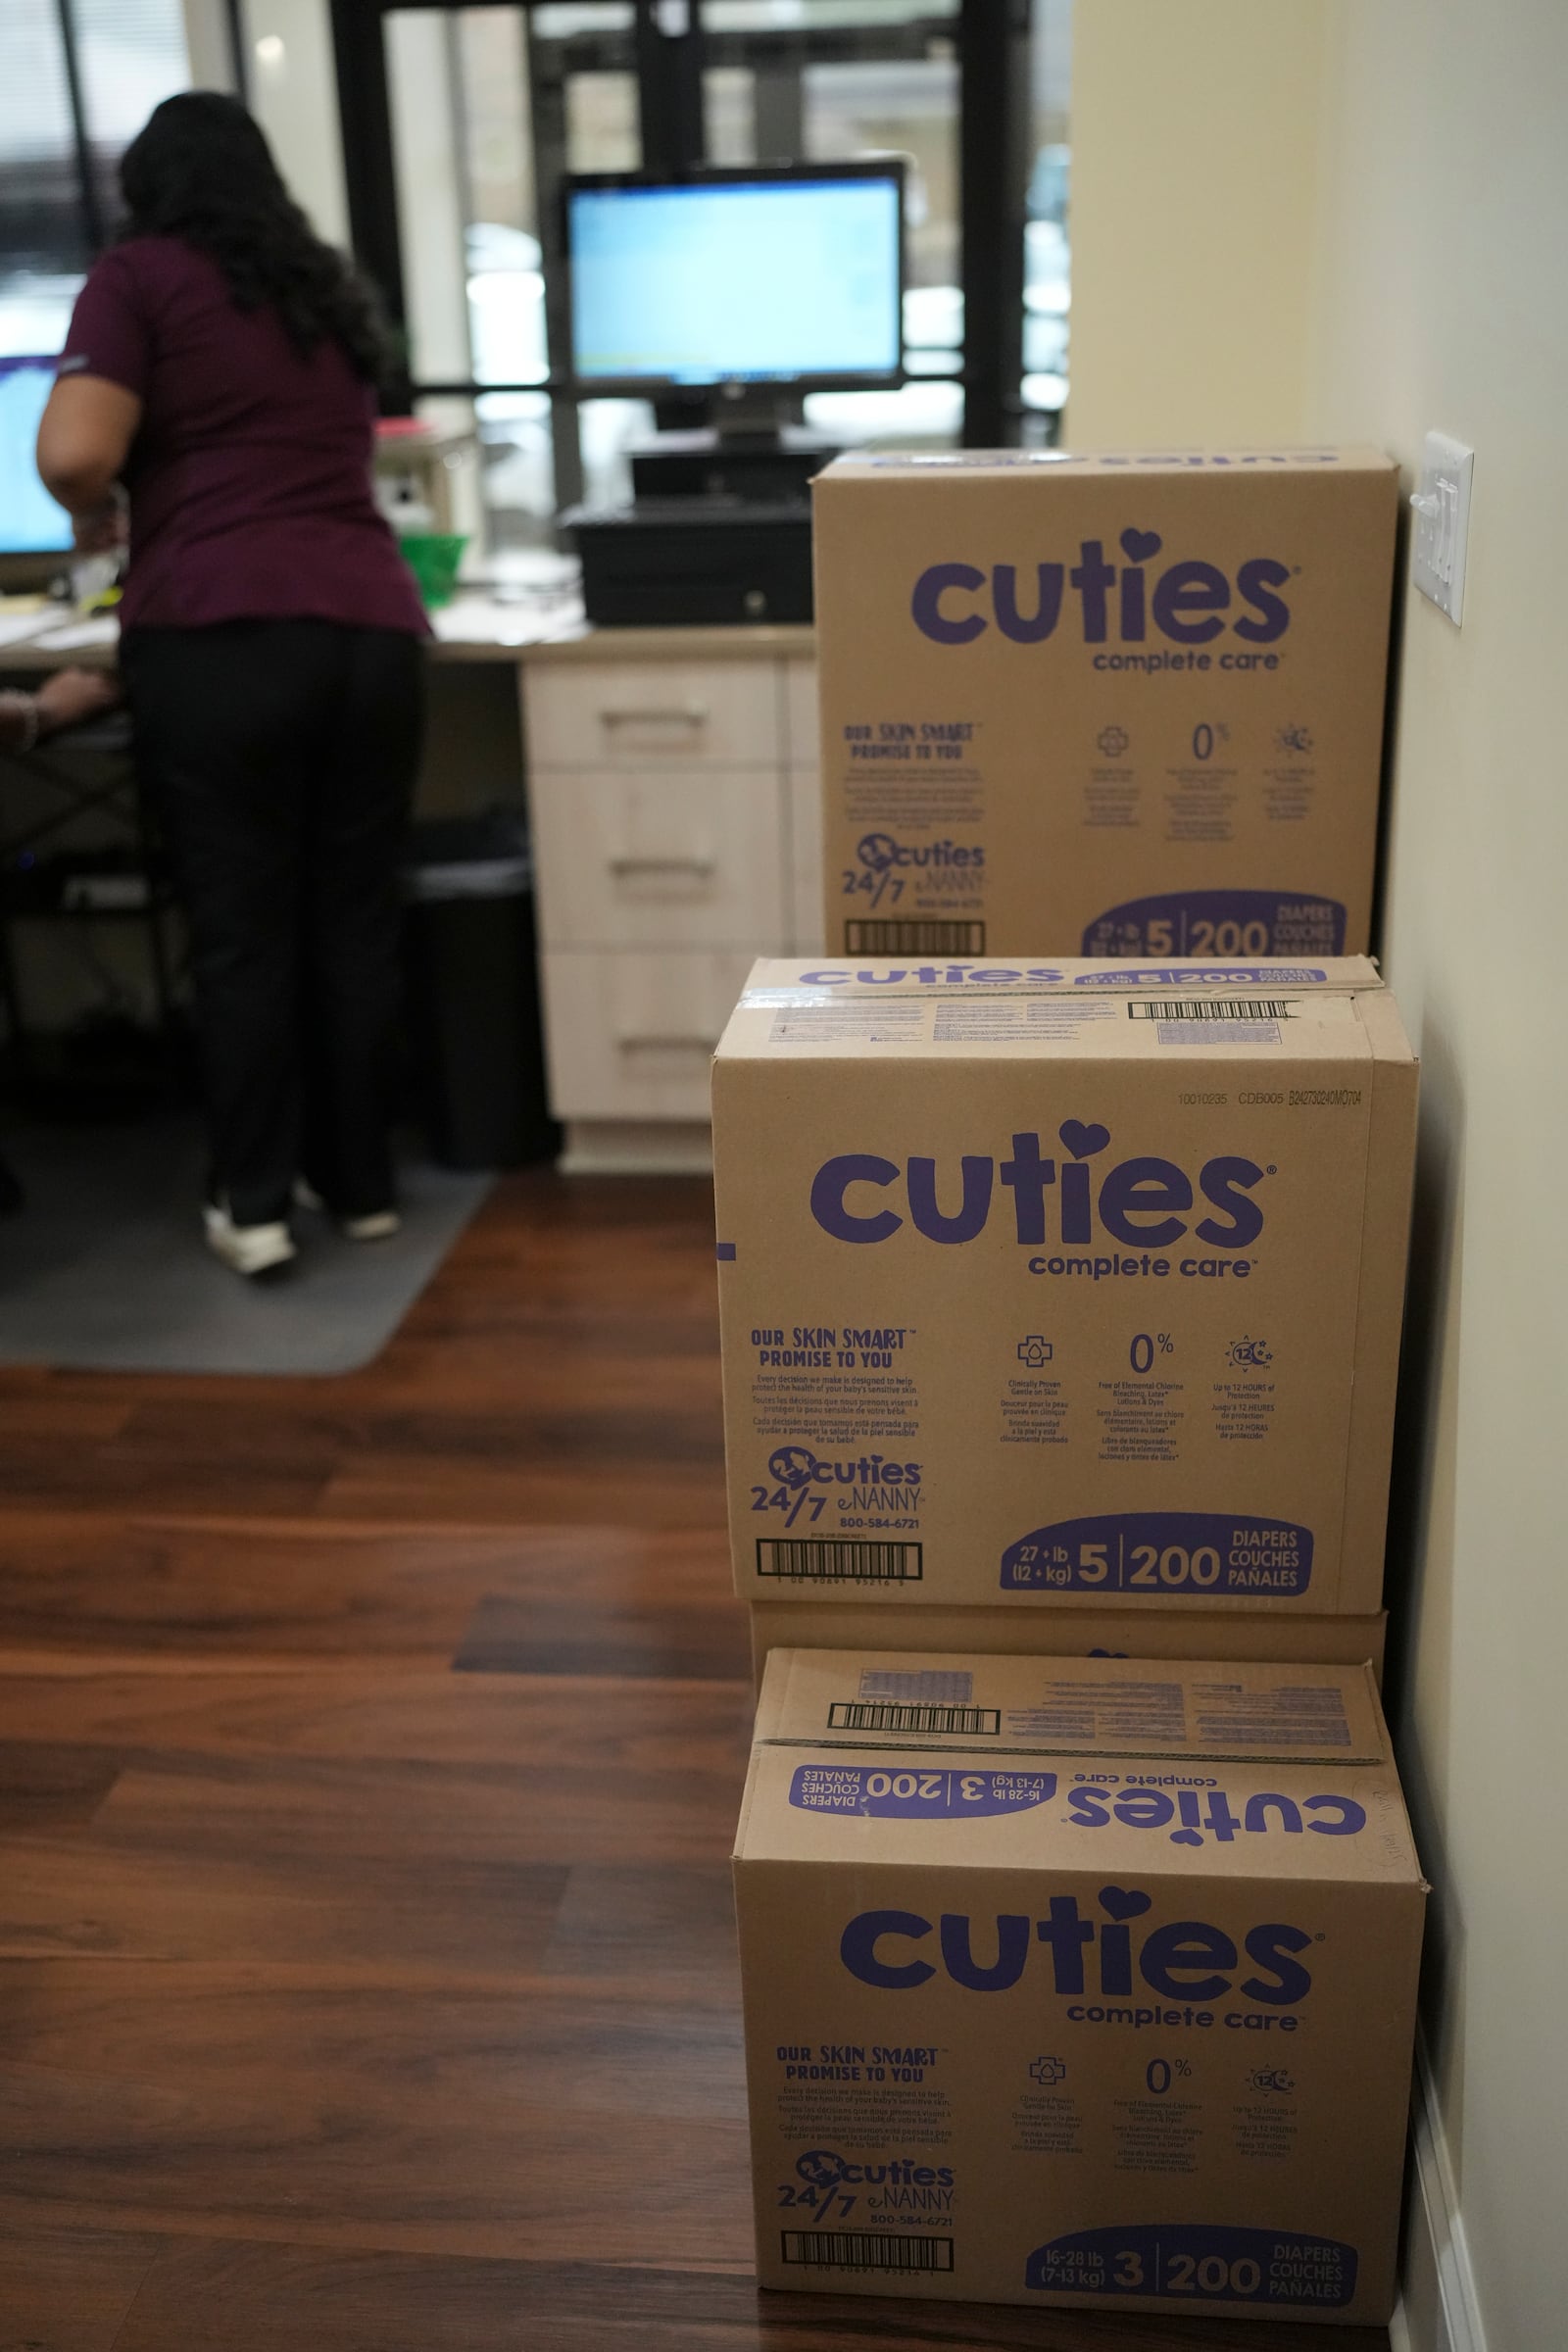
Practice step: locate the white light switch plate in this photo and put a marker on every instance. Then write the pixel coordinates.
(1442, 522)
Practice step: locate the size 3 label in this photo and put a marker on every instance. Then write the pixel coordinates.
(1195, 2263)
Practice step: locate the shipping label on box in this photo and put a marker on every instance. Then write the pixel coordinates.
(1078, 1983)
(1128, 704)
(1062, 1283)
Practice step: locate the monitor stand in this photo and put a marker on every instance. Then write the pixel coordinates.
(751, 454)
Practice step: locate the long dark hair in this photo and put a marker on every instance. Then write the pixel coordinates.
(200, 169)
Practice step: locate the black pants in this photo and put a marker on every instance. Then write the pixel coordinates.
(279, 758)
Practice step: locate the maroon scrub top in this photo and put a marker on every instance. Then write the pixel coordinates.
(250, 475)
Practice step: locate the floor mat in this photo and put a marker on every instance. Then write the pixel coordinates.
(105, 1269)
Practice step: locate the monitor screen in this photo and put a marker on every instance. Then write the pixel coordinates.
(738, 278)
(31, 523)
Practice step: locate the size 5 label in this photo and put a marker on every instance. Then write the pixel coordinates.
(1169, 1556)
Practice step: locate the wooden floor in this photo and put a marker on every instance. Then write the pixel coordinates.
(368, 1757)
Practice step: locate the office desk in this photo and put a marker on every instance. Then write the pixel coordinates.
(472, 628)
(672, 781)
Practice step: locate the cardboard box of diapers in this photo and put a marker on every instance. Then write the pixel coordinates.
(1103, 705)
(1059, 1284)
(1078, 1982)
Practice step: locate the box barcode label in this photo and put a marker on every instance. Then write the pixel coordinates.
(886, 1715)
(865, 2250)
(944, 1687)
(839, 1556)
(887, 936)
(1209, 1008)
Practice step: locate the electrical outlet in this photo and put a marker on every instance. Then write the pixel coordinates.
(1442, 508)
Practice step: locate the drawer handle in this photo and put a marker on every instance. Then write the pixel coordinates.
(660, 866)
(669, 714)
(673, 1044)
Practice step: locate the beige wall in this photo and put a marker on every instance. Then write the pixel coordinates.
(1398, 266)
(1194, 164)
(1445, 208)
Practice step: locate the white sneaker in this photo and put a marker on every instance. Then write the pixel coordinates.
(380, 1226)
(250, 1249)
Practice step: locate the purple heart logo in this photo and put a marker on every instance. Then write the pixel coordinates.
(1081, 1141)
(1124, 1903)
(1139, 546)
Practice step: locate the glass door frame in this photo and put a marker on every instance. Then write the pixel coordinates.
(668, 48)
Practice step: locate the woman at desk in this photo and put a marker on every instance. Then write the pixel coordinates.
(63, 701)
(27, 720)
(220, 368)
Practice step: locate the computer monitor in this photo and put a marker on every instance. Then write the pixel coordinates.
(785, 277)
(31, 522)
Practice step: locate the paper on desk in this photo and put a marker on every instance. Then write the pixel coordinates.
(101, 629)
(16, 627)
(486, 622)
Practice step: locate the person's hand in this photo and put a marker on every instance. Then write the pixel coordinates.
(102, 530)
(73, 695)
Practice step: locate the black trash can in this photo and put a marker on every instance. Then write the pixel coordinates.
(475, 1047)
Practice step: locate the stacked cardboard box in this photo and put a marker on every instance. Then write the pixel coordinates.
(1060, 1308)
(1076, 1983)
(1062, 1211)
(1070, 1293)
(1127, 705)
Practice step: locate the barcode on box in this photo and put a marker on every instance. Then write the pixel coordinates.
(824, 1556)
(1209, 1008)
(912, 937)
(865, 2250)
(885, 1715)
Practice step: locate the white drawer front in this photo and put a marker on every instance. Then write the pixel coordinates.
(670, 857)
(802, 722)
(651, 714)
(806, 861)
(630, 1036)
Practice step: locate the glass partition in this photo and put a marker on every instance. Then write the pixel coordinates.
(492, 105)
(44, 245)
(1047, 248)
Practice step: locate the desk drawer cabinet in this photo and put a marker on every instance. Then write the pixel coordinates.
(677, 858)
(654, 714)
(802, 741)
(630, 1037)
(675, 818)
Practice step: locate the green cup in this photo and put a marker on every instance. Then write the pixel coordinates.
(433, 558)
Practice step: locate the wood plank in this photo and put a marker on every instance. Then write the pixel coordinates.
(68, 2291)
(393, 1715)
(63, 1420)
(532, 2119)
(64, 1900)
(627, 1920)
(271, 1808)
(425, 2058)
(438, 1489)
(506, 1635)
(206, 1585)
(45, 1785)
